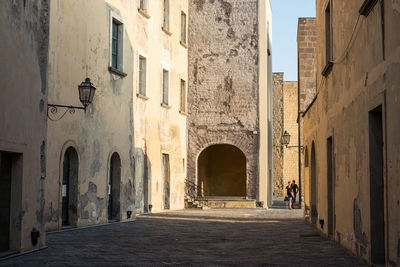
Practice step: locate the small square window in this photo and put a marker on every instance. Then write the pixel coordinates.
(165, 87)
(142, 75)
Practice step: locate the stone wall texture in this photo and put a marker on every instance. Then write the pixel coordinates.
(223, 84)
(278, 131)
(307, 83)
(285, 108)
(291, 152)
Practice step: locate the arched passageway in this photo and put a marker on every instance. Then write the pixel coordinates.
(114, 187)
(222, 171)
(69, 189)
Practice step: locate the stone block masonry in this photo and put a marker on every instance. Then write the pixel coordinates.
(223, 81)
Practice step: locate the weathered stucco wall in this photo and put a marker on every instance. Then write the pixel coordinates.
(139, 129)
(224, 87)
(362, 79)
(160, 129)
(24, 39)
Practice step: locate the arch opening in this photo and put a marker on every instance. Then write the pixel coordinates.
(313, 198)
(114, 187)
(222, 171)
(69, 191)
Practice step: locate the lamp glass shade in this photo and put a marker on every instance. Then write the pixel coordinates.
(286, 138)
(86, 92)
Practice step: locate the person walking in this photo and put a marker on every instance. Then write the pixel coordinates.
(295, 190)
(289, 195)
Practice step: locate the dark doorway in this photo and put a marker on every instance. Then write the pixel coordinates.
(313, 200)
(330, 184)
(5, 199)
(114, 185)
(69, 189)
(166, 178)
(377, 204)
(146, 185)
(222, 171)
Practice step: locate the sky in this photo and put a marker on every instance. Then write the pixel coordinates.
(285, 14)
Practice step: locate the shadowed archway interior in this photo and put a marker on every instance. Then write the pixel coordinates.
(222, 171)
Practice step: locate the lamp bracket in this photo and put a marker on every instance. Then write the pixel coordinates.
(52, 109)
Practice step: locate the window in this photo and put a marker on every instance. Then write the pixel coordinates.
(183, 96)
(114, 49)
(328, 33)
(143, 5)
(116, 44)
(165, 87)
(166, 15)
(142, 75)
(183, 28)
(328, 40)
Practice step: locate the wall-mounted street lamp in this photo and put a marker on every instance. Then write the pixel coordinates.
(285, 138)
(86, 93)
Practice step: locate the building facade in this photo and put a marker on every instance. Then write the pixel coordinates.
(286, 158)
(350, 128)
(24, 35)
(230, 99)
(307, 84)
(126, 154)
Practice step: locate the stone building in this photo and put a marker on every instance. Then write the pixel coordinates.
(351, 128)
(307, 60)
(230, 99)
(126, 153)
(24, 43)
(286, 158)
(278, 130)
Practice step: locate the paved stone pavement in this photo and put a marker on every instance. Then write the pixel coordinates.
(214, 237)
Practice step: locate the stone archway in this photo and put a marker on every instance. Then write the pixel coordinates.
(222, 171)
(69, 190)
(114, 188)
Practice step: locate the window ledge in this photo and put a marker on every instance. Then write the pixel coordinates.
(142, 96)
(144, 13)
(165, 106)
(327, 69)
(183, 112)
(166, 31)
(183, 44)
(116, 71)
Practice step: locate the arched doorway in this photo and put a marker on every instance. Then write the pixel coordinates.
(114, 186)
(69, 190)
(222, 171)
(313, 200)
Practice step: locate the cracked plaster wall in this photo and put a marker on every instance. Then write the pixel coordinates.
(24, 44)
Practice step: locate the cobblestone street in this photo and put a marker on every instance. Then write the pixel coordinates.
(214, 237)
